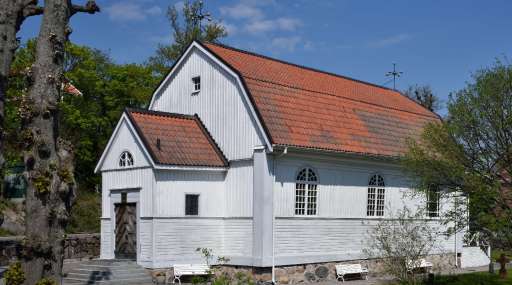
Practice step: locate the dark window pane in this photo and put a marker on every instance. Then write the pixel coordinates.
(191, 205)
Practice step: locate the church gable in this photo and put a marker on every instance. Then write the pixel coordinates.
(124, 150)
(200, 84)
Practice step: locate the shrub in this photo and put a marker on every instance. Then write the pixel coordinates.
(46, 281)
(14, 275)
(85, 214)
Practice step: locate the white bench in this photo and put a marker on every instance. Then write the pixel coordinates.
(188, 269)
(344, 269)
(419, 264)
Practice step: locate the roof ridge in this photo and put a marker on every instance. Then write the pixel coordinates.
(300, 66)
(433, 115)
(160, 113)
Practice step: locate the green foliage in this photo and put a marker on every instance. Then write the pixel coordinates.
(198, 280)
(480, 278)
(85, 214)
(470, 152)
(46, 281)
(14, 274)
(185, 31)
(42, 184)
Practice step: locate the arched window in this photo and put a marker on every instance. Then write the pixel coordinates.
(126, 159)
(306, 192)
(376, 191)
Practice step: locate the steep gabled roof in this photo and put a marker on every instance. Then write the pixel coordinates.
(308, 108)
(176, 139)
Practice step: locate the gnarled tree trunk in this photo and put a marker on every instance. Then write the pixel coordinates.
(48, 158)
(12, 15)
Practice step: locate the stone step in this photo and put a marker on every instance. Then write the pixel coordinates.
(131, 281)
(105, 272)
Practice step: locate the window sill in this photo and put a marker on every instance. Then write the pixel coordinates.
(195, 93)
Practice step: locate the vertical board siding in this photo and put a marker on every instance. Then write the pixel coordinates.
(239, 187)
(141, 178)
(124, 140)
(219, 104)
(342, 187)
(171, 187)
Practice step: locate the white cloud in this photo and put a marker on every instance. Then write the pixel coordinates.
(286, 43)
(230, 28)
(242, 10)
(389, 41)
(282, 24)
(131, 11)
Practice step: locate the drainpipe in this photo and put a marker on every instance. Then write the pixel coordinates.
(285, 151)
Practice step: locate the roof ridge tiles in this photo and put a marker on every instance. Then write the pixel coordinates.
(299, 66)
(160, 113)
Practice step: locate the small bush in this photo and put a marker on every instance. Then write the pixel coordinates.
(46, 281)
(14, 275)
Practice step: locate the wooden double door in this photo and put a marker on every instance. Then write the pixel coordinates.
(126, 230)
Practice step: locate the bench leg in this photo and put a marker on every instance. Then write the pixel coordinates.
(176, 278)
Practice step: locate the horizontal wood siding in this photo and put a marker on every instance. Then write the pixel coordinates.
(239, 187)
(172, 186)
(145, 242)
(106, 247)
(176, 239)
(219, 104)
(136, 178)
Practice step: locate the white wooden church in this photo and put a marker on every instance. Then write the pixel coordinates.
(263, 161)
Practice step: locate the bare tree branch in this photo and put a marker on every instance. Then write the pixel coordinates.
(90, 7)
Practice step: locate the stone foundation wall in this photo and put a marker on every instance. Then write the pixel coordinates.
(76, 246)
(318, 272)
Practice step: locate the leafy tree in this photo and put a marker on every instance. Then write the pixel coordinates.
(424, 96)
(470, 152)
(185, 31)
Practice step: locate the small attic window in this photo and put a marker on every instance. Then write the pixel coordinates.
(196, 81)
(125, 159)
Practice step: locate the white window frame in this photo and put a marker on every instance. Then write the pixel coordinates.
(124, 161)
(436, 213)
(376, 196)
(309, 187)
(196, 86)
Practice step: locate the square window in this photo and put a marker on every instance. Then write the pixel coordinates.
(197, 83)
(191, 205)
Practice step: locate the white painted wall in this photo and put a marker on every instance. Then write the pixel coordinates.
(219, 104)
(340, 229)
(239, 189)
(124, 140)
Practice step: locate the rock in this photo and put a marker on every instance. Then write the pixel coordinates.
(283, 280)
(322, 272)
(280, 272)
(310, 277)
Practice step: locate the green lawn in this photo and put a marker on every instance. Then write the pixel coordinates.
(479, 278)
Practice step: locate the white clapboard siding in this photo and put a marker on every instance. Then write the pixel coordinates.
(138, 179)
(237, 238)
(124, 140)
(317, 240)
(239, 185)
(219, 104)
(106, 246)
(172, 186)
(145, 240)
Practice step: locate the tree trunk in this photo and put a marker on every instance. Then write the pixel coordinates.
(48, 158)
(12, 15)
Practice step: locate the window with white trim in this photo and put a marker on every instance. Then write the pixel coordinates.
(197, 83)
(433, 197)
(306, 193)
(376, 194)
(125, 159)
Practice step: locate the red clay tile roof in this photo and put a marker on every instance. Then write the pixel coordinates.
(183, 139)
(304, 107)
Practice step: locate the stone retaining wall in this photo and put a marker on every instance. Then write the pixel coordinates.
(76, 246)
(317, 272)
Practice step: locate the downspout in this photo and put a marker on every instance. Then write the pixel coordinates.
(285, 151)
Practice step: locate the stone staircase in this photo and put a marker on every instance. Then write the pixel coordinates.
(105, 272)
(473, 256)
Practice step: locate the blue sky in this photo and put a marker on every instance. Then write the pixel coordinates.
(433, 42)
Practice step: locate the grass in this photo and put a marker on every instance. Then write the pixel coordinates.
(5, 233)
(478, 278)
(495, 253)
